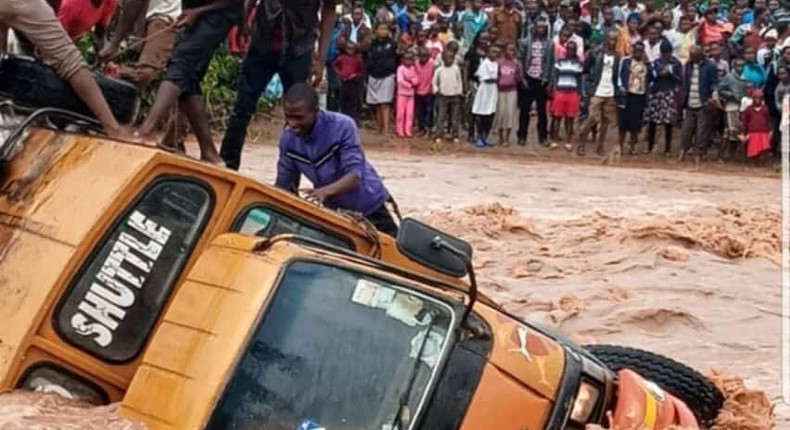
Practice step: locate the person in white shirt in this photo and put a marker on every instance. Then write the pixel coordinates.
(653, 42)
(448, 86)
(160, 15)
(485, 102)
(601, 67)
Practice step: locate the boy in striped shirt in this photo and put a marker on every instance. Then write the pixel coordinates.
(567, 94)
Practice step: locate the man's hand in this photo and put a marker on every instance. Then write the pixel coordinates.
(188, 17)
(317, 195)
(317, 74)
(107, 53)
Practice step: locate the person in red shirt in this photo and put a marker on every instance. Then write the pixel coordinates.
(79, 17)
(423, 95)
(756, 126)
(350, 69)
(710, 29)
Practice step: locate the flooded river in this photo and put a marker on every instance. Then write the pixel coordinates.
(682, 263)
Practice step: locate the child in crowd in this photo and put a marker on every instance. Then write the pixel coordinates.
(381, 66)
(783, 88)
(756, 126)
(408, 38)
(731, 90)
(434, 45)
(407, 81)
(485, 102)
(423, 99)
(567, 84)
(474, 56)
(350, 69)
(510, 75)
(448, 85)
(445, 33)
(753, 71)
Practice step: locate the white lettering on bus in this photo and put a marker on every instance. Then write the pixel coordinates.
(123, 272)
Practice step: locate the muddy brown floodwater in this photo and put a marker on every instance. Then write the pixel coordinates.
(682, 263)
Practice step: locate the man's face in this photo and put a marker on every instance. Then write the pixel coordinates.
(299, 117)
(608, 15)
(541, 29)
(773, 5)
(737, 65)
(477, 5)
(696, 54)
(531, 8)
(357, 15)
(715, 50)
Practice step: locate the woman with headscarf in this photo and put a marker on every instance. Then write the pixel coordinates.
(663, 81)
(632, 89)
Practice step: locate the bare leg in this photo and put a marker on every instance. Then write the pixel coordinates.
(555, 128)
(166, 96)
(621, 141)
(632, 143)
(507, 136)
(501, 137)
(195, 111)
(568, 130)
(385, 119)
(175, 131)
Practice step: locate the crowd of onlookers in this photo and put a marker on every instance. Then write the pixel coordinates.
(475, 70)
(482, 70)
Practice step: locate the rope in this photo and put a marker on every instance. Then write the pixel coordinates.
(145, 39)
(395, 209)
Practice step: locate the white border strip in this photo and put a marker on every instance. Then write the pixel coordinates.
(785, 129)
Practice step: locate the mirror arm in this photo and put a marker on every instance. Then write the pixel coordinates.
(439, 243)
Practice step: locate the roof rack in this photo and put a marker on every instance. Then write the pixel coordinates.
(266, 243)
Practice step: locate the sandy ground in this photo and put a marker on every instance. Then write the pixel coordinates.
(678, 260)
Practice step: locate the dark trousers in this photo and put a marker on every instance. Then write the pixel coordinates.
(697, 129)
(651, 137)
(484, 124)
(423, 110)
(534, 93)
(383, 221)
(448, 123)
(350, 92)
(332, 89)
(257, 70)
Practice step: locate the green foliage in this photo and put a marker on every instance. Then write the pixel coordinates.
(218, 86)
(372, 5)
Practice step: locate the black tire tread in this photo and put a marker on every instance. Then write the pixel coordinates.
(703, 398)
(31, 83)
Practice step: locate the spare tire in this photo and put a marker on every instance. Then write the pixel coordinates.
(683, 382)
(31, 83)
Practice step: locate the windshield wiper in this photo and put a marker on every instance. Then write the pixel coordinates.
(403, 404)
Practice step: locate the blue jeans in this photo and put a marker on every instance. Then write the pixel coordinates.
(257, 70)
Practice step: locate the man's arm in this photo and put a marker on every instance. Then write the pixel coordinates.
(328, 21)
(132, 9)
(39, 24)
(287, 173)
